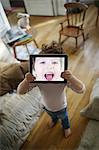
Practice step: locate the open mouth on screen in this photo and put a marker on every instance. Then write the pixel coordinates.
(49, 76)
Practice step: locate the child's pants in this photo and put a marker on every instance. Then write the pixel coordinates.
(62, 115)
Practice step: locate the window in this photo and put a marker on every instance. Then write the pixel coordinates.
(4, 24)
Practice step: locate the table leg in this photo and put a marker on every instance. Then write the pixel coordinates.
(14, 50)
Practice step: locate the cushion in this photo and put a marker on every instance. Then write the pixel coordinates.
(12, 71)
(92, 109)
(24, 67)
(90, 139)
(2, 65)
(11, 75)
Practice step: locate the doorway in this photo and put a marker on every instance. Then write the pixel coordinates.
(17, 3)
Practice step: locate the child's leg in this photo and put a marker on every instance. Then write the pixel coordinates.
(63, 115)
(53, 117)
(65, 121)
(53, 120)
(66, 126)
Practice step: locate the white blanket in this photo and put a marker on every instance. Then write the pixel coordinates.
(18, 115)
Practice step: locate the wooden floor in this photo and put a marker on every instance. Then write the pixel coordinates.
(84, 63)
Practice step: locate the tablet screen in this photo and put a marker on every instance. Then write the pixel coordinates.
(48, 68)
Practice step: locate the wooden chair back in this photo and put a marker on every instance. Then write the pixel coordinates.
(75, 13)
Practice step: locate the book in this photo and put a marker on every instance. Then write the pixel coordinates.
(14, 35)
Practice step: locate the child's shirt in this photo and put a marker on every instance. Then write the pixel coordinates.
(54, 95)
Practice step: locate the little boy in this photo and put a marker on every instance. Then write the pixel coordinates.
(54, 96)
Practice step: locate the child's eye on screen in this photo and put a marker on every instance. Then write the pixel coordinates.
(54, 62)
(42, 62)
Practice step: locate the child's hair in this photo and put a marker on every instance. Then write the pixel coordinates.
(52, 48)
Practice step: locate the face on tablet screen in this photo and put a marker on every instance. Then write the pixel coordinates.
(48, 68)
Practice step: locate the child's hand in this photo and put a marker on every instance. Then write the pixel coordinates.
(66, 74)
(29, 77)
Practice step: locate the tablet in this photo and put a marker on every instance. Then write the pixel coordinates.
(47, 68)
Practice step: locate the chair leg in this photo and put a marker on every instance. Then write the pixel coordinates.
(27, 49)
(59, 38)
(97, 18)
(76, 42)
(14, 50)
(83, 36)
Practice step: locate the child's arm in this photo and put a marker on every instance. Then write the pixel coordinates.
(72, 82)
(24, 86)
